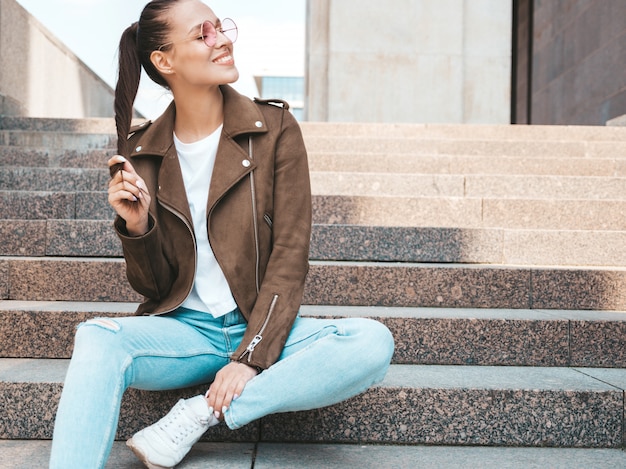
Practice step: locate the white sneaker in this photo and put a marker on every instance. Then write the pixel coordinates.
(165, 443)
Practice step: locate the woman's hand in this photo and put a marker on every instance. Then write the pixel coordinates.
(228, 385)
(128, 195)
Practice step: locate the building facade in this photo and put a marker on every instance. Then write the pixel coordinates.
(40, 76)
(466, 61)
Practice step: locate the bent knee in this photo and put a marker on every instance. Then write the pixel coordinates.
(378, 337)
(96, 333)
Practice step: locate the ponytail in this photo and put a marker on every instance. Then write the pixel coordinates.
(137, 43)
(129, 74)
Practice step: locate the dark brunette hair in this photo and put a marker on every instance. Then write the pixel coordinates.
(138, 41)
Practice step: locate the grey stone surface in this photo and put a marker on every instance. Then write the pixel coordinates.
(357, 284)
(296, 456)
(574, 248)
(52, 179)
(365, 243)
(22, 238)
(452, 212)
(26, 205)
(68, 279)
(397, 284)
(538, 165)
(17, 454)
(56, 139)
(546, 214)
(545, 187)
(467, 405)
(42, 124)
(85, 238)
(422, 336)
(93, 206)
(501, 406)
(598, 343)
(386, 184)
(579, 289)
(617, 121)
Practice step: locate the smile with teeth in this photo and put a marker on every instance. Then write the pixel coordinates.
(223, 59)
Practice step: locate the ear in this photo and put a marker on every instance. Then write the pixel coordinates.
(161, 62)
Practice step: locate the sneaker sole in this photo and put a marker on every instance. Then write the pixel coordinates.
(142, 457)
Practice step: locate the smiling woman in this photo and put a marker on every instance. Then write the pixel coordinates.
(213, 207)
(91, 29)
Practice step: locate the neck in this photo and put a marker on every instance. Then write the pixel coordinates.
(198, 114)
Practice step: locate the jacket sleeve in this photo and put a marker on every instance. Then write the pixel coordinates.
(149, 274)
(282, 288)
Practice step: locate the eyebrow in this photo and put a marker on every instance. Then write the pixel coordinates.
(198, 27)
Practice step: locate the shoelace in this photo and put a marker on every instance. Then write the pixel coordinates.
(171, 426)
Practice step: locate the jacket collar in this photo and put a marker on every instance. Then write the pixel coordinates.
(241, 116)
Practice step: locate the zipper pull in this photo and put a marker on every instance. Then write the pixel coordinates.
(254, 343)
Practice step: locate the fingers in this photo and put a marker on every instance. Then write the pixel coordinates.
(128, 195)
(125, 184)
(229, 384)
(116, 164)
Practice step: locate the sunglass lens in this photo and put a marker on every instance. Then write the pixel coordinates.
(229, 28)
(209, 33)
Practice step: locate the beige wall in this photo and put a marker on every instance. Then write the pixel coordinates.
(40, 77)
(445, 61)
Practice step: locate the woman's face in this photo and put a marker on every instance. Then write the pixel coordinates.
(192, 62)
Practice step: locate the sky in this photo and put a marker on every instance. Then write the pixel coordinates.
(271, 38)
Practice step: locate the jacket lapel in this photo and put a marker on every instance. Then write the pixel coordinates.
(232, 163)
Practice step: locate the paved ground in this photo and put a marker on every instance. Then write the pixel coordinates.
(34, 454)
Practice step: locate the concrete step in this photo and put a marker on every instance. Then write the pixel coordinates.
(415, 404)
(426, 212)
(465, 212)
(580, 142)
(463, 132)
(489, 147)
(96, 238)
(53, 179)
(45, 205)
(431, 336)
(386, 162)
(412, 144)
(347, 129)
(349, 284)
(14, 156)
(466, 164)
(498, 186)
(472, 186)
(57, 139)
(20, 454)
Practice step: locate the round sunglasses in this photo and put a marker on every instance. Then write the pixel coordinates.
(208, 33)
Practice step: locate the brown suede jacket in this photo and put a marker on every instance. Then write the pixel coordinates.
(258, 219)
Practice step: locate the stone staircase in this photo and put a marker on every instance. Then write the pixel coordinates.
(495, 254)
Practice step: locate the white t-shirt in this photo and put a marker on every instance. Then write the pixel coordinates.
(210, 292)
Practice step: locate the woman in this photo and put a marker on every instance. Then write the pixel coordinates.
(214, 214)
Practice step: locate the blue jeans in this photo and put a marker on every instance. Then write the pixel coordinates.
(186, 348)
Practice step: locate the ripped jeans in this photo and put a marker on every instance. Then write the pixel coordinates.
(186, 348)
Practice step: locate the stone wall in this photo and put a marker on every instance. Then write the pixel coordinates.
(446, 61)
(578, 57)
(40, 77)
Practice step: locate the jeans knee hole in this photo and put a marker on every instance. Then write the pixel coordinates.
(104, 323)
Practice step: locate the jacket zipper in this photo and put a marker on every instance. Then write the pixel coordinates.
(259, 337)
(254, 218)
